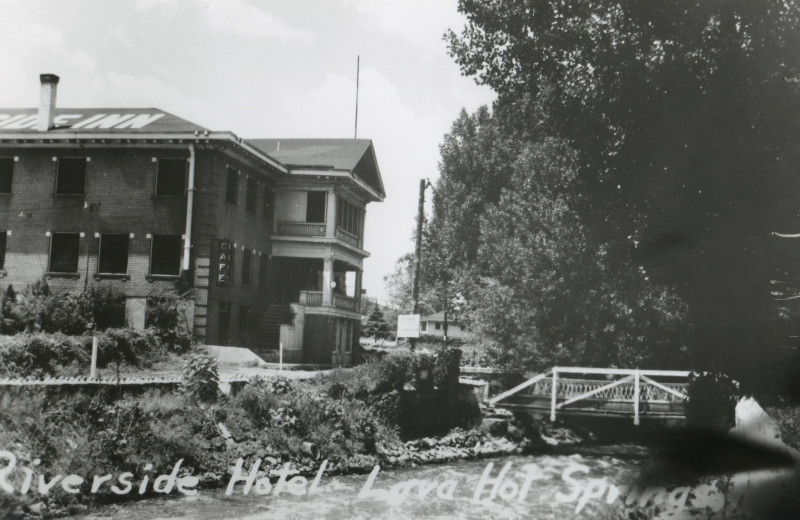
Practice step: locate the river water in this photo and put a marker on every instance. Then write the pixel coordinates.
(541, 487)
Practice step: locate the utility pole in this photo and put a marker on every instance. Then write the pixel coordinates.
(418, 250)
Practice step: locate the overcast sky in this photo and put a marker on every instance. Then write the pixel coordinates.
(261, 69)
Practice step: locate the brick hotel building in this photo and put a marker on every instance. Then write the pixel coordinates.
(269, 233)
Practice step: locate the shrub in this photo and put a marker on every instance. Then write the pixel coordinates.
(447, 369)
(165, 315)
(68, 312)
(108, 307)
(42, 354)
(257, 399)
(138, 348)
(712, 401)
(396, 370)
(201, 377)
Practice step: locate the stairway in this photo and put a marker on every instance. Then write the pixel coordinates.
(267, 338)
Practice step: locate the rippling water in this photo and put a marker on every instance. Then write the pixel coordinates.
(532, 487)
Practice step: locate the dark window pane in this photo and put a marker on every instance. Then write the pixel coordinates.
(166, 255)
(114, 254)
(71, 175)
(262, 272)
(64, 253)
(232, 189)
(247, 263)
(252, 195)
(171, 177)
(244, 323)
(315, 208)
(269, 202)
(224, 322)
(6, 174)
(3, 238)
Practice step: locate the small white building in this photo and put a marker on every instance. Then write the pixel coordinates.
(433, 325)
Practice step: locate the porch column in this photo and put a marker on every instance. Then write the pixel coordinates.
(327, 278)
(330, 217)
(357, 293)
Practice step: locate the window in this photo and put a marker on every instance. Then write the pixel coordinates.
(252, 196)
(113, 254)
(438, 325)
(247, 266)
(6, 174)
(232, 189)
(3, 238)
(315, 206)
(171, 178)
(165, 256)
(224, 322)
(423, 326)
(262, 272)
(71, 176)
(64, 253)
(349, 217)
(269, 203)
(244, 319)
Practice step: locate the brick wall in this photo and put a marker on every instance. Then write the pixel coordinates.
(119, 186)
(215, 219)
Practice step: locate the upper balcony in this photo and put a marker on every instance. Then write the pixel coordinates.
(320, 215)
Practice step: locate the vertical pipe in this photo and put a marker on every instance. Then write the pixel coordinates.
(358, 72)
(189, 209)
(553, 395)
(636, 398)
(93, 370)
(280, 356)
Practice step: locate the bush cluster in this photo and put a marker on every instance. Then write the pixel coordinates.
(40, 354)
(712, 401)
(37, 309)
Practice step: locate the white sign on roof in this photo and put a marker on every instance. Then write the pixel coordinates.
(408, 326)
(104, 121)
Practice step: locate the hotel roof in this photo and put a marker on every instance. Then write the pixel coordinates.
(92, 120)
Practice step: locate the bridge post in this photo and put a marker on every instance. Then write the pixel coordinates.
(636, 398)
(554, 393)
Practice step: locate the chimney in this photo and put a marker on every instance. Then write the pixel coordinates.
(47, 102)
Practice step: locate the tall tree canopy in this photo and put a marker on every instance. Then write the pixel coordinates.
(685, 120)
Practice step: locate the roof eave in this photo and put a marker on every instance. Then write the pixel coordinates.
(193, 137)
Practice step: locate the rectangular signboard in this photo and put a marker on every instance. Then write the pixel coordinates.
(224, 262)
(408, 326)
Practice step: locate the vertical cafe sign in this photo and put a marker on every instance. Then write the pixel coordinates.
(224, 261)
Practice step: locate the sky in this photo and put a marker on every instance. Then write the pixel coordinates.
(270, 69)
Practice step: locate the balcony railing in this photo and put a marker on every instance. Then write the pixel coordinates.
(340, 301)
(346, 236)
(305, 229)
(344, 302)
(313, 298)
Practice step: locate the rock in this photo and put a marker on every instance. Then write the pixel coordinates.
(493, 426)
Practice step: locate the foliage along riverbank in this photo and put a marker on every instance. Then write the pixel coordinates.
(352, 418)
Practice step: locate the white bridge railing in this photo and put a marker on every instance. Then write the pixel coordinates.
(631, 386)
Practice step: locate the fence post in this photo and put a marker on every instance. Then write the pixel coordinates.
(636, 398)
(553, 395)
(280, 356)
(93, 369)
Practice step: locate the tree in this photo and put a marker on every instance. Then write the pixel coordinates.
(551, 294)
(399, 288)
(685, 118)
(376, 325)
